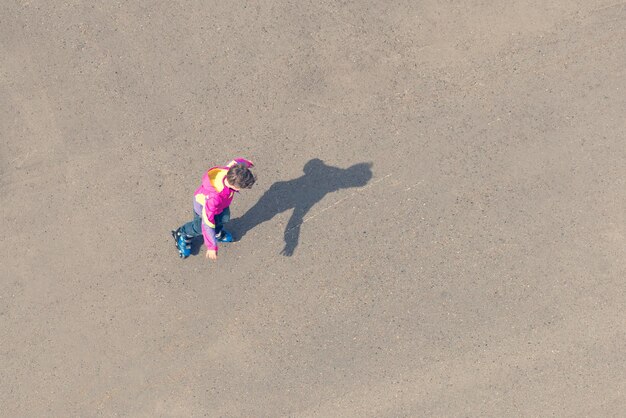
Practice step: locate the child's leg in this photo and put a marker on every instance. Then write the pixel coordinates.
(221, 219)
(192, 228)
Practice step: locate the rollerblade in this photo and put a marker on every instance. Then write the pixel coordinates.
(224, 236)
(182, 242)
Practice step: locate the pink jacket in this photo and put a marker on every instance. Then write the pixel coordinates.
(212, 197)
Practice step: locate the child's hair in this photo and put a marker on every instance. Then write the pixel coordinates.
(240, 176)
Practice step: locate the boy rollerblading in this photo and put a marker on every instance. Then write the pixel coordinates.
(211, 206)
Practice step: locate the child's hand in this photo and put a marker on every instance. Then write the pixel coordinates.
(212, 254)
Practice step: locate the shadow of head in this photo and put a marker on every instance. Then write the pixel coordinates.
(326, 176)
(358, 175)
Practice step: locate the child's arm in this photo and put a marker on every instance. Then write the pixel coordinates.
(208, 225)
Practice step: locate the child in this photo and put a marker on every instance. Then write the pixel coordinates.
(211, 202)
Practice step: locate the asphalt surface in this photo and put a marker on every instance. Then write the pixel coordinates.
(438, 226)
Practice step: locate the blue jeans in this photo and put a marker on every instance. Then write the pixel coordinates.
(194, 228)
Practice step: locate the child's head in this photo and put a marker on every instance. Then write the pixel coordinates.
(240, 176)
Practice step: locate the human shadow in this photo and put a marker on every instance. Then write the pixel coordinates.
(300, 194)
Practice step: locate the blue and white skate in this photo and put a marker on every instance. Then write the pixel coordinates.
(224, 236)
(183, 243)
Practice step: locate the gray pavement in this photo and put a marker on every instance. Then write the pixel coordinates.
(438, 226)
